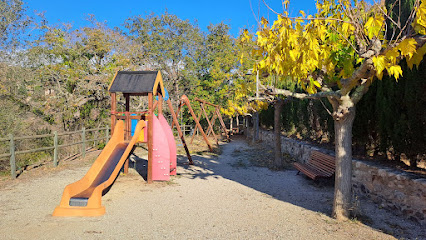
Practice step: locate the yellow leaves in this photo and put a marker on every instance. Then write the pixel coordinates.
(395, 71)
(258, 105)
(419, 23)
(262, 105)
(264, 22)
(293, 55)
(407, 47)
(417, 57)
(245, 36)
(379, 64)
(262, 64)
(392, 55)
(373, 26)
(242, 58)
(390, 61)
(286, 2)
(347, 28)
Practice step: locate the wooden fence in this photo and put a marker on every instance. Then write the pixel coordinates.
(84, 140)
(56, 146)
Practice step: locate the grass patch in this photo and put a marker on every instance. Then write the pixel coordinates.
(260, 156)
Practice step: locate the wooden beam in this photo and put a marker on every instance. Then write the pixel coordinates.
(182, 137)
(185, 99)
(181, 103)
(193, 135)
(205, 102)
(113, 111)
(150, 135)
(213, 121)
(222, 124)
(127, 114)
(127, 131)
(160, 104)
(208, 121)
(154, 106)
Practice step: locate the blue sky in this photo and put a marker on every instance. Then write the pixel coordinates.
(236, 13)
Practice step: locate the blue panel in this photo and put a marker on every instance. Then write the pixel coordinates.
(165, 97)
(133, 124)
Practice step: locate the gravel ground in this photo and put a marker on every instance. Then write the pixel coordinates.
(222, 197)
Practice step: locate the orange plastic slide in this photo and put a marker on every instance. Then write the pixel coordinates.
(83, 198)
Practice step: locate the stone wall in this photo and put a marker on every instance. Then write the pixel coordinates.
(401, 192)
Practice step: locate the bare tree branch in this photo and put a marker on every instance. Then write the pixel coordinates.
(275, 91)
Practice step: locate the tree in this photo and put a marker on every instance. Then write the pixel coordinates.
(216, 65)
(13, 22)
(166, 42)
(72, 72)
(336, 54)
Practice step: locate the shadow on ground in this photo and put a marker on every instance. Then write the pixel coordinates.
(284, 185)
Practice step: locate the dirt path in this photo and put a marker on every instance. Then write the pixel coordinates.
(218, 198)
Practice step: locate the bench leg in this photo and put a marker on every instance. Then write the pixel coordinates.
(297, 172)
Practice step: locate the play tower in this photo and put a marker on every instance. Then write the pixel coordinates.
(83, 198)
(146, 84)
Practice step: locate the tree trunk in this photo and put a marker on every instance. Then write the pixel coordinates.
(238, 123)
(231, 125)
(343, 179)
(246, 119)
(255, 126)
(277, 133)
(176, 88)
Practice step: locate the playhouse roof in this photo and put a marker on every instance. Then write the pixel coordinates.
(137, 82)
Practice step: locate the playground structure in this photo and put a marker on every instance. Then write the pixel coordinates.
(83, 198)
(184, 101)
(212, 121)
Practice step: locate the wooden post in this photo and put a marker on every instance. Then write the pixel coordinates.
(127, 114)
(150, 135)
(154, 105)
(177, 112)
(113, 111)
(208, 121)
(160, 104)
(128, 130)
(55, 150)
(193, 136)
(12, 157)
(182, 138)
(83, 144)
(184, 100)
(222, 123)
(213, 121)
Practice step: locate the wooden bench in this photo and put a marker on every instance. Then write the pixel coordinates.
(320, 165)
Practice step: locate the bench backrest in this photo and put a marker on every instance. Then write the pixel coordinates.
(323, 161)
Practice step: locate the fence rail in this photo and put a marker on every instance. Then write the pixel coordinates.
(56, 146)
(186, 129)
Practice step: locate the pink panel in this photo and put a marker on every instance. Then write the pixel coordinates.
(160, 153)
(172, 144)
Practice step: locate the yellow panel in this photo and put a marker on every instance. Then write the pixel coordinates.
(115, 75)
(158, 80)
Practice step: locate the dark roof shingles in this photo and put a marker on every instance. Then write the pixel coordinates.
(134, 82)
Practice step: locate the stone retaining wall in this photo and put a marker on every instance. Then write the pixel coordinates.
(401, 192)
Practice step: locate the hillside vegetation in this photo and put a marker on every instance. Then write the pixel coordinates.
(55, 77)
